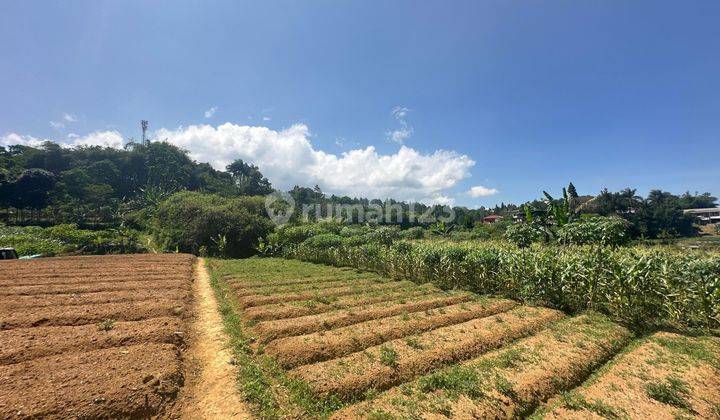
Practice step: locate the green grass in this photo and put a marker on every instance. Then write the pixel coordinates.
(262, 383)
(673, 391)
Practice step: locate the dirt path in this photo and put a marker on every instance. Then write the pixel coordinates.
(211, 387)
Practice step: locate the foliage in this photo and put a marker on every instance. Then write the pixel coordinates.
(524, 234)
(415, 232)
(67, 238)
(228, 227)
(646, 288)
(92, 183)
(594, 230)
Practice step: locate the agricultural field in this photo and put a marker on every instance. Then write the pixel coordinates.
(314, 341)
(94, 336)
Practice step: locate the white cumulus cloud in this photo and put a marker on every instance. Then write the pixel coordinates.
(96, 138)
(210, 112)
(480, 191)
(288, 158)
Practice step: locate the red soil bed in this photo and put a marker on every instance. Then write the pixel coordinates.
(93, 337)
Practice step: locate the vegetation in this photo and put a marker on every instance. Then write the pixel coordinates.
(210, 224)
(67, 238)
(646, 288)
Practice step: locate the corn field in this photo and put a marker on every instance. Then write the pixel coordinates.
(644, 287)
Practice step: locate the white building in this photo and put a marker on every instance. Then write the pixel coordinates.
(705, 216)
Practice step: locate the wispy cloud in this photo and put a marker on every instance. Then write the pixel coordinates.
(66, 119)
(266, 119)
(405, 130)
(480, 191)
(210, 112)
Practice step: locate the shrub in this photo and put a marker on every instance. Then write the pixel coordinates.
(228, 227)
(67, 238)
(415, 232)
(524, 234)
(594, 230)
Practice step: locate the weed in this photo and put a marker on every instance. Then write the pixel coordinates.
(672, 392)
(414, 343)
(388, 356)
(106, 324)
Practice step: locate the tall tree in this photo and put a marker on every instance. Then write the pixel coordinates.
(248, 178)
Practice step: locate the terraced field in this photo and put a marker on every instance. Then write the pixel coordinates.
(314, 341)
(92, 337)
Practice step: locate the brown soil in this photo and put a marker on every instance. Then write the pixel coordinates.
(506, 383)
(90, 314)
(140, 276)
(622, 388)
(351, 376)
(23, 344)
(270, 330)
(90, 287)
(211, 390)
(28, 301)
(325, 345)
(271, 290)
(257, 300)
(134, 381)
(93, 337)
(310, 307)
(245, 283)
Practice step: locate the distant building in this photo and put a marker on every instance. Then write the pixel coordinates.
(493, 218)
(705, 216)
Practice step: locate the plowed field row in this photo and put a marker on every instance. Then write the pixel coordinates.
(93, 337)
(350, 346)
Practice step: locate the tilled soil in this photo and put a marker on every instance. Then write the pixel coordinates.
(270, 330)
(315, 347)
(668, 376)
(317, 306)
(256, 300)
(93, 337)
(506, 383)
(353, 375)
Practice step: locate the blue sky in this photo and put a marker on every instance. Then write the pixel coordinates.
(522, 95)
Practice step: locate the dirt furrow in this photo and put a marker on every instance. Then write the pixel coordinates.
(90, 314)
(273, 290)
(120, 382)
(93, 286)
(506, 383)
(23, 344)
(666, 376)
(322, 295)
(325, 345)
(157, 275)
(250, 283)
(271, 330)
(400, 360)
(321, 305)
(28, 301)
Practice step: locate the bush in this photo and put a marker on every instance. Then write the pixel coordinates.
(415, 232)
(608, 231)
(228, 227)
(67, 238)
(524, 234)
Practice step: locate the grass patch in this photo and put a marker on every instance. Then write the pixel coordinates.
(673, 391)
(263, 384)
(388, 356)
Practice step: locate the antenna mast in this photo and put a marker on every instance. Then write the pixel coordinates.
(144, 125)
